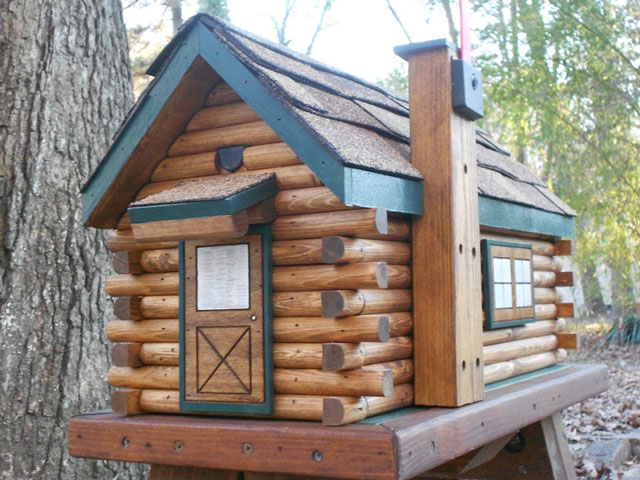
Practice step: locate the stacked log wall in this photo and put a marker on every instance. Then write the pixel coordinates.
(509, 352)
(341, 281)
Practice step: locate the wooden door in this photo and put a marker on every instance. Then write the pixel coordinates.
(225, 325)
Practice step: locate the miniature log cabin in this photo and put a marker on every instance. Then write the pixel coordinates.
(292, 242)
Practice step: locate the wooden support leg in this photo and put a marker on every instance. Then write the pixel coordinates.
(166, 472)
(558, 448)
(540, 451)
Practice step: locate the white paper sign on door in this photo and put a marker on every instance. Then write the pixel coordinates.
(223, 277)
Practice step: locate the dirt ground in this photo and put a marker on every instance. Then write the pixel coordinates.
(616, 411)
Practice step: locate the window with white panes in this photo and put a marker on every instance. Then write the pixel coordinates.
(507, 284)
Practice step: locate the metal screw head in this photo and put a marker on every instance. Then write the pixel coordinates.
(474, 82)
(126, 442)
(178, 446)
(253, 318)
(317, 456)
(247, 448)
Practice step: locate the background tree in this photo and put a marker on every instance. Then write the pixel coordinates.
(65, 88)
(562, 82)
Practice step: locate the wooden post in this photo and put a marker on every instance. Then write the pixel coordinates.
(446, 239)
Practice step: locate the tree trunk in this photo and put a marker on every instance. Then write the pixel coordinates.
(64, 88)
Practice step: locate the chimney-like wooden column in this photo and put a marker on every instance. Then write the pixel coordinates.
(446, 239)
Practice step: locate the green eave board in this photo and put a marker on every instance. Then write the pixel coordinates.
(204, 208)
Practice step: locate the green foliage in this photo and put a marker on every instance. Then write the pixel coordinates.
(396, 82)
(624, 330)
(562, 90)
(216, 8)
(562, 83)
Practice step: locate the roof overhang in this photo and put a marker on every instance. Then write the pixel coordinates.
(197, 59)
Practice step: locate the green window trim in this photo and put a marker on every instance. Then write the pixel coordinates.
(488, 303)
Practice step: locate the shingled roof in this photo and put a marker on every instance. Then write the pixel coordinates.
(364, 126)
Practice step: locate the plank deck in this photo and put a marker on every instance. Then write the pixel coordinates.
(398, 445)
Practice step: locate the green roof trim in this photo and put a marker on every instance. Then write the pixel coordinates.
(204, 208)
(136, 127)
(512, 216)
(398, 194)
(394, 193)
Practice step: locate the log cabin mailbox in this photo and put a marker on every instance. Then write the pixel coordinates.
(285, 247)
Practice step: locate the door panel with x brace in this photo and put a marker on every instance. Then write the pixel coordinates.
(223, 327)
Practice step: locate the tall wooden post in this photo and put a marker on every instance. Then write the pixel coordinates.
(446, 239)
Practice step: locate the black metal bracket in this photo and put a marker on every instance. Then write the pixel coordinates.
(229, 158)
(466, 86)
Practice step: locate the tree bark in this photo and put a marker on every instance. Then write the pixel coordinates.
(64, 87)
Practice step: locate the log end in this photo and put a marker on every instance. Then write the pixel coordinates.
(382, 275)
(384, 329)
(121, 262)
(126, 401)
(387, 383)
(332, 249)
(126, 355)
(382, 224)
(333, 303)
(333, 413)
(333, 357)
(127, 308)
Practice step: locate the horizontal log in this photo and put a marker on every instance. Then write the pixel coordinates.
(310, 381)
(546, 312)
(520, 366)
(401, 370)
(546, 295)
(259, 157)
(540, 247)
(126, 401)
(298, 304)
(222, 116)
(159, 261)
(126, 355)
(345, 356)
(142, 331)
(253, 133)
(164, 354)
(159, 307)
(349, 276)
(297, 252)
(224, 226)
(519, 348)
(361, 222)
(128, 308)
(164, 378)
(360, 328)
(340, 303)
(568, 341)
(354, 250)
(142, 285)
(294, 176)
(119, 240)
(544, 279)
(222, 94)
(543, 263)
(529, 330)
(126, 262)
(294, 407)
(269, 156)
(343, 410)
(308, 200)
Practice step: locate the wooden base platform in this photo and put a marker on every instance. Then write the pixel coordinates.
(398, 445)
